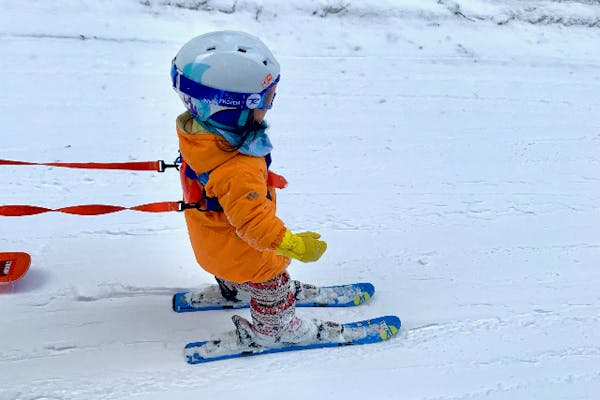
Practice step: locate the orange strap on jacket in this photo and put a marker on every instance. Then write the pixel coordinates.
(90, 209)
(159, 166)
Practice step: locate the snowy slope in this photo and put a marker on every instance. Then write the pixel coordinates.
(448, 151)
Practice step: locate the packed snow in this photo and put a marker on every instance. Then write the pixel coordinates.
(448, 151)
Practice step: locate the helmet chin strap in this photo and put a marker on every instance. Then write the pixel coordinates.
(246, 119)
(249, 125)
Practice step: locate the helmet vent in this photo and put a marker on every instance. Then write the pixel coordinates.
(242, 50)
(265, 62)
(212, 48)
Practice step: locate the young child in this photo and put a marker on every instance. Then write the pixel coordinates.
(227, 81)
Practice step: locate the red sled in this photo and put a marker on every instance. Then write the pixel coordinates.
(13, 266)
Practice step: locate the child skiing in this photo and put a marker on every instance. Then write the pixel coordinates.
(227, 81)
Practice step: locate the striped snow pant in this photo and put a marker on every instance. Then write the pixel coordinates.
(272, 303)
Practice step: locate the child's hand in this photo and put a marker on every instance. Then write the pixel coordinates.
(303, 246)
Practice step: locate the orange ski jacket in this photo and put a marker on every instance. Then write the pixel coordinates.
(237, 244)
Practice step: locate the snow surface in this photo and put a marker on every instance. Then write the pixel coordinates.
(448, 151)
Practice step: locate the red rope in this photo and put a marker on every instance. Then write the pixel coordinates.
(88, 209)
(132, 166)
(94, 209)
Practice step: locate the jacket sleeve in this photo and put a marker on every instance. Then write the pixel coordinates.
(242, 193)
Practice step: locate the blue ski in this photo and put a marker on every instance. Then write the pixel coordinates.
(361, 332)
(306, 296)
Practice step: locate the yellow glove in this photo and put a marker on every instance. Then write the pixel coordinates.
(303, 246)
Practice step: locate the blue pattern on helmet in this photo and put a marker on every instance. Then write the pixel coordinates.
(198, 108)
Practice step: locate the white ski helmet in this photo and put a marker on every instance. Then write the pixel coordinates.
(222, 76)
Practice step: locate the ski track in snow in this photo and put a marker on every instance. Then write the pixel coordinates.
(455, 163)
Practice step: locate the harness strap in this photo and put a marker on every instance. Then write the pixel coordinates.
(159, 166)
(203, 203)
(89, 209)
(195, 192)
